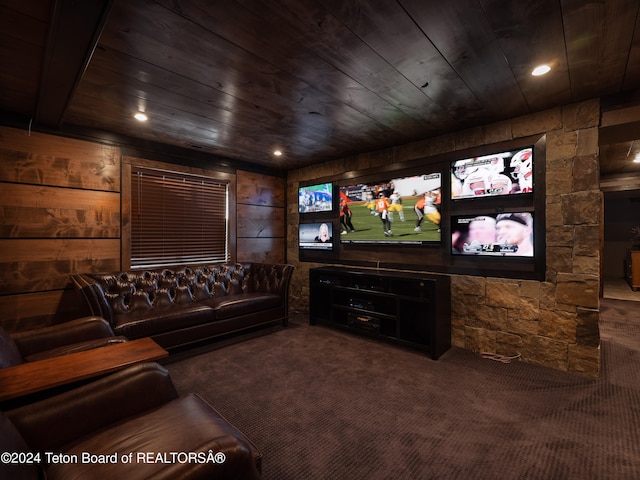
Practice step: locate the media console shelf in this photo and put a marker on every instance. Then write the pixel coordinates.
(405, 308)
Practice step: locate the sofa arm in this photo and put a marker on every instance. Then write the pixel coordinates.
(270, 278)
(91, 291)
(75, 347)
(49, 424)
(79, 330)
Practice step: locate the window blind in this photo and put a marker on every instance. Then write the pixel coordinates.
(177, 219)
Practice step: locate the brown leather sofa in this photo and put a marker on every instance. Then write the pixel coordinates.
(68, 337)
(182, 305)
(129, 425)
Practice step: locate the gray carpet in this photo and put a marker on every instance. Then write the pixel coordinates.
(324, 404)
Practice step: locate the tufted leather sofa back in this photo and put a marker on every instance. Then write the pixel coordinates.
(110, 294)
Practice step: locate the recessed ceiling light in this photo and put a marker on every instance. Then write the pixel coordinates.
(277, 153)
(140, 116)
(540, 70)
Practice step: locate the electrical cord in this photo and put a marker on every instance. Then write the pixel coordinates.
(500, 358)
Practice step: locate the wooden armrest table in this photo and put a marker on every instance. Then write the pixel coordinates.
(41, 375)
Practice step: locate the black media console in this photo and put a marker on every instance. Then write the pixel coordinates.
(405, 308)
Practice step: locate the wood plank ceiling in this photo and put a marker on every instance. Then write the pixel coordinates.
(318, 79)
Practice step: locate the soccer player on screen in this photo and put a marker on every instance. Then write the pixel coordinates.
(345, 217)
(396, 206)
(425, 207)
(382, 207)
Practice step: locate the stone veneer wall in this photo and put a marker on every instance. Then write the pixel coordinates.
(554, 322)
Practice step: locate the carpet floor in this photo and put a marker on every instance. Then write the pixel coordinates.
(325, 404)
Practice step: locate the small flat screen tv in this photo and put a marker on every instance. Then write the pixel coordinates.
(505, 173)
(392, 211)
(316, 236)
(496, 235)
(315, 198)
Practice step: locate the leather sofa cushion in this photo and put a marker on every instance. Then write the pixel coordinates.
(148, 322)
(187, 424)
(243, 304)
(12, 441)
(9, 353)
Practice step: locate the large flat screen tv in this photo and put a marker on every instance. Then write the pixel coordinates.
(502, 235)
(393, 211)
(315, 198)
(505, 173)
(315, 236)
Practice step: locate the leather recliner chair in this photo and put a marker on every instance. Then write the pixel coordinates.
(131, 424)
(60, 339)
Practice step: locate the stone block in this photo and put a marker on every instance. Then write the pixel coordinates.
(380, 158)
(578, 290)
(443, 144)
(527, 309)
(521, 326)
(561, 146)
(548, 295)
(550, 276)
(621, 115)
(480, 340)
(335, 168)
(498, 132)
(295, 176)
(560, 236)
(559, 176)
(558, 325)
(588, 141)
(412, 151)
(581, 115)
(587, 240)
(565, 307)
(587, 265)
(503, 294)
(584, 360)
(358, 162)
(540, 122)
(375, 159)
(457, 321)
(457, 337)
(545, 351)
(559, 259)
(581, 208)
(554, 211)
(508, 344)
(467, 285)
(586, 173)
(316, 171)
(530, 289)
(486, 317)
(464, 306)
(470, 137)
(587, 327)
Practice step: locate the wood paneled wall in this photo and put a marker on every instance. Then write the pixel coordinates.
(59, 214)
(260, 218)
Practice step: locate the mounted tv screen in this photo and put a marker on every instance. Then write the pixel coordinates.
(316, 236)
(315, 198)
(400, 210)
(502, 235)
(505, 173)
